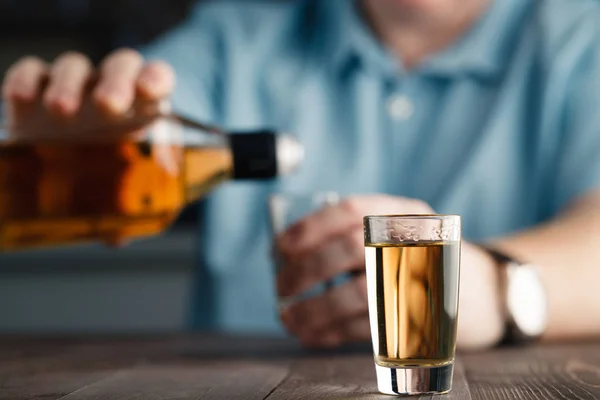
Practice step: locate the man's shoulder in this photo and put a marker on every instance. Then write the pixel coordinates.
(570, 8)
(249, 17)
(259, 32)
(568, 25)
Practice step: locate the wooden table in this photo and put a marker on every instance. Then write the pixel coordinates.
(245, 368)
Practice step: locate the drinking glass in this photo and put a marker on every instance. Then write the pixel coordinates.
(285, 209)
(413, 269)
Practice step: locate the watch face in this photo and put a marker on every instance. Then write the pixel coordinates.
(526, 299)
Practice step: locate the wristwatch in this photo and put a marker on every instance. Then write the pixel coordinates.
(524, 300)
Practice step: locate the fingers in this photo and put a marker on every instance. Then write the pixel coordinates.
(123, 75)
(156, 80)
(68, 78)
(341, 254)
(35, 91)
(23, 80)
(306, 319)
(115, 91)
(313, 230)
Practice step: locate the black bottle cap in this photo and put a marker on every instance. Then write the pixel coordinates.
(254, 155)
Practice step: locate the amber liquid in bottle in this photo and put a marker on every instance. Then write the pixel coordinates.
(111, 192)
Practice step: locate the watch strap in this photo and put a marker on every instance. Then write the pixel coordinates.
(501, 258)
(512, 333)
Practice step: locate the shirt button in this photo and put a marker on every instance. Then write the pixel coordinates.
(400, 108)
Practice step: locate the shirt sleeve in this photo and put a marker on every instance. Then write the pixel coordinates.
(192, 49)
(578, 162)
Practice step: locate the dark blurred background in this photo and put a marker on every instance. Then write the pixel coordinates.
(47, 27)
(144, 287)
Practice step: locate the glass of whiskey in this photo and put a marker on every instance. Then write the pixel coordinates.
(413, 268)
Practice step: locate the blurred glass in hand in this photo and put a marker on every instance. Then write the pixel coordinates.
(285, 209)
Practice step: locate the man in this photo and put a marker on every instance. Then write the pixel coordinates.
(482, 108)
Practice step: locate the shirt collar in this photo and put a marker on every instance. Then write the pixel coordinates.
(482, 51)
(351, 40)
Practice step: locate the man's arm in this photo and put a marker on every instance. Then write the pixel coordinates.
(567, 249)
(564, 246)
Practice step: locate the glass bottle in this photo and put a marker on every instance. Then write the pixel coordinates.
(107, 186)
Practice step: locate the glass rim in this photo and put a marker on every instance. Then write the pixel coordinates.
(411, 216)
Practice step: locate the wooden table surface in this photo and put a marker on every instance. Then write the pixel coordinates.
(209, 367)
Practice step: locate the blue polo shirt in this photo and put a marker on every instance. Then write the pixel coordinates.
(502, 128)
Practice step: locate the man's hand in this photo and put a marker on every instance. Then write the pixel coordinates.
(36, 93)
(322, 246)
(69, 97)
(331, 242)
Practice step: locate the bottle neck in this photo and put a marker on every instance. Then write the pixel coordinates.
(204, 169)
(185, 133)
(256, 155)
(206, 158)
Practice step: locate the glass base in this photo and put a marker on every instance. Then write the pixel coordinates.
(414, 380)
